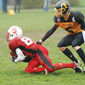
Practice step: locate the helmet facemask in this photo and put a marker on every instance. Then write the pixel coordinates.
(59, 12)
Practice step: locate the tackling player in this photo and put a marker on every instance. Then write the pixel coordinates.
(73, 23)
(24, 46)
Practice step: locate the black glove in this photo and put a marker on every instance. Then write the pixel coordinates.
(12, 59)
(39, 42)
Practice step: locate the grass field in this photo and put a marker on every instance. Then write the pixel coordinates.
(35, 24)
(82, 3)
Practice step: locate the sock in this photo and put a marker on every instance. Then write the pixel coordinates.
(81, 54)
(69, 54)
(59, 66)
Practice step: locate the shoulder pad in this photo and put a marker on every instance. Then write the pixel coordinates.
(78, 14)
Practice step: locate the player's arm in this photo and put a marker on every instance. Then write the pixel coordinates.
(83, 25)
(20, 55)
(48, 34)
(27, 59)
(80, 20)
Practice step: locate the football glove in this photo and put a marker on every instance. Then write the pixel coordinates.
(39, 42)
(13, 59)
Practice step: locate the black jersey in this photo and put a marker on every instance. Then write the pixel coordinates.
(73, 24)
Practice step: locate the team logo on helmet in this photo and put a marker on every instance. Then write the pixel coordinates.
(64, 4)
(14, 30)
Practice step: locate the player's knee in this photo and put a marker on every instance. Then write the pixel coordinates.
(27, 70)
(60, 44)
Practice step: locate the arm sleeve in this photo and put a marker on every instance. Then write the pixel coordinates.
(55, 19)
(50, 32)
(80, 20)
(20, 55)
(83, 25)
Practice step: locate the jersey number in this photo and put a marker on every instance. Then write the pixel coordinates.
(26, 40)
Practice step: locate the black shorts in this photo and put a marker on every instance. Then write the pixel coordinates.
(73, 40)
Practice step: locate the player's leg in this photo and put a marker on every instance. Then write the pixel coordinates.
(35, 62)
(66, 41)
(33, 67)
(45, 5)
(15, 5)
(43, 58)
(76, 45)
(59, 66)
(48, 5)
(45, 61)
(19, 5)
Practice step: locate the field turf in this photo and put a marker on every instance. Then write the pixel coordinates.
(35, 23)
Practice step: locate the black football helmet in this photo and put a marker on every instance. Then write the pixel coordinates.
(62, 5)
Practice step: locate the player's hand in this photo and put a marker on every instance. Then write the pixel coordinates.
(39, 42)
(12, 59)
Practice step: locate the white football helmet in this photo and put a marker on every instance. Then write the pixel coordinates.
(14, 31)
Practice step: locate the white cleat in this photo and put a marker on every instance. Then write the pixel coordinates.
(77, 68)
(79, 62)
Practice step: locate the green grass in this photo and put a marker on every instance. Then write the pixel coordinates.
(82, 3)
(35, 24)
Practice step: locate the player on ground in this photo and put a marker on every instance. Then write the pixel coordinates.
(24, 46)
(73, 23)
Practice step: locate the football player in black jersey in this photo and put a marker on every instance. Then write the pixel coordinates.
(73, 23)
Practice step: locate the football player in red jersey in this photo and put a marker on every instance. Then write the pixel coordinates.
(24, 46)
(73, 23)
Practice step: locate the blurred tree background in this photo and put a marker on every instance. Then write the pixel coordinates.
(37, 4)
(72, 2)
(32, 4)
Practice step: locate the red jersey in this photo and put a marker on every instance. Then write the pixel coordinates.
(28, 46)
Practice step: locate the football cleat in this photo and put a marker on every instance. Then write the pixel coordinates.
(77, 68)
(79, 62)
